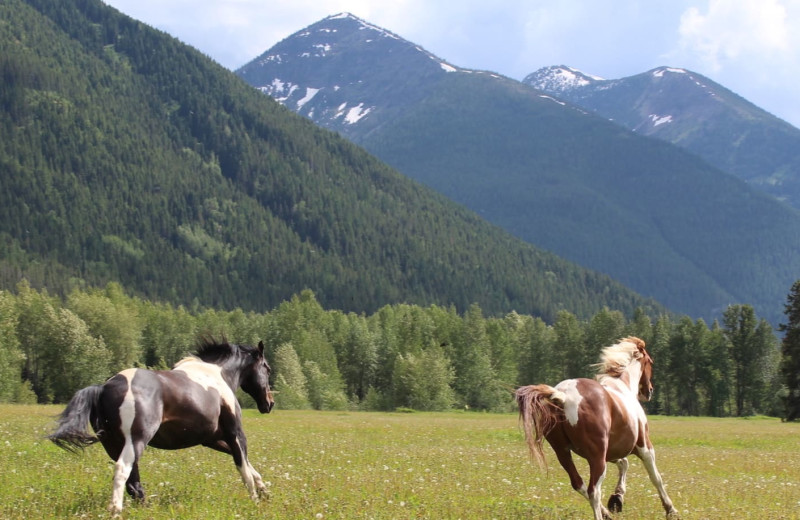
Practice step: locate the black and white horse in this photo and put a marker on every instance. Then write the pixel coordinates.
(192, 404)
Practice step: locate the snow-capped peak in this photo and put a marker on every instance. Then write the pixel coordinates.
(364, 24)
(559, 79)
(659, 72)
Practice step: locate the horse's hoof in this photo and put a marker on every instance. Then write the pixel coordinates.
(615, 503)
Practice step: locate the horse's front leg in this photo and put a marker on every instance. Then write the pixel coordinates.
(648, 456)
(223, 446)
(237, 444)
(260, 487)
(615, 500)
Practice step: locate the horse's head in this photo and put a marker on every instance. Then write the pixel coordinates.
(646, 362)
(255, 379)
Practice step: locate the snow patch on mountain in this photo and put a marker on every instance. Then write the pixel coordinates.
(553, 99)
(660, 120)
(658, 73)
(272, 57)
(353, 114)
(356, 113)
(310, 93)
(320, 50)
(279, 90)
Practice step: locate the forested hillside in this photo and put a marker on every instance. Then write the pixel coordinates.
(127, 156)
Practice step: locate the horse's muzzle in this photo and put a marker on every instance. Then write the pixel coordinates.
(266, 406)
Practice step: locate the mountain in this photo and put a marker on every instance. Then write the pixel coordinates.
(695, 113)
(317, 74)
(128, 156)
(653, 216)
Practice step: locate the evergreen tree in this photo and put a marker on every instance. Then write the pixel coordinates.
(640, 326)
(717, 375)
(112, 316)
(290, 382)
(790, 348)
(33, 310)
(358, 357)
(751, 348)
(534, 341)
(11, 357)
(604, 329)
(658, 348)
(686, 347)
(72, 357)
(475, 383)
(570, 351)
(422, 382)
(325, 390)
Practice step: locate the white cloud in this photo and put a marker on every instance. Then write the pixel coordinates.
(749, 46)
(731, 30)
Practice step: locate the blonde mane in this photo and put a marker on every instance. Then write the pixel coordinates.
(616, 358)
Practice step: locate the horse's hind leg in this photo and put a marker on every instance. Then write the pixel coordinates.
(594, 492)
(565, 459)
(133, 485)
(591, 493)
(122, 470)
(615, 500)
(648, 456)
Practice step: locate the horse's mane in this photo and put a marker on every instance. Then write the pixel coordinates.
(211, 350)
(616, 358)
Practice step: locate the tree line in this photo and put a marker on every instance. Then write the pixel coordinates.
(401, 356)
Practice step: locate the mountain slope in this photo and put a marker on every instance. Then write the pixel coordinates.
(651, 215)
(695, 113)
(128, 156)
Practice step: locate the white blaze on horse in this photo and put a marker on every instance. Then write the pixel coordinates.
(601, 420)
(192, 404)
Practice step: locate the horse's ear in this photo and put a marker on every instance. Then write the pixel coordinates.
(639, 343)
(261, 347)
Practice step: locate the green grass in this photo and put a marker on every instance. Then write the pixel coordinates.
(398, 466)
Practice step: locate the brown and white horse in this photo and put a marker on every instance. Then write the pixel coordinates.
(601, 420)
(192, 404)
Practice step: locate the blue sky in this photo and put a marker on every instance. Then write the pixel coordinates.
(749, 46)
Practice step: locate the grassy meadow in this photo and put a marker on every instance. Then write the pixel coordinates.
(400, 466)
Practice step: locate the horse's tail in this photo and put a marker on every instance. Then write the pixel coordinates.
(540, 409)
(73, 423)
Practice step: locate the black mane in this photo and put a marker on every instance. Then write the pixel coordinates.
(211, 350)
